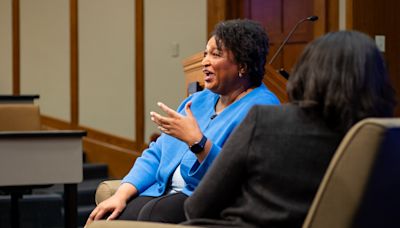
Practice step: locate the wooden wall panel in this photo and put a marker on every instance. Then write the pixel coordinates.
(279, 17)
(219, 10)
(291, 53)
(380, 18)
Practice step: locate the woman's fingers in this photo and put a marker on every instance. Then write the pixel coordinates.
(187, 109)
(93, 214)
(168, 110)
(113, 215)
(159, 119)
(100, 214)
(96, 214)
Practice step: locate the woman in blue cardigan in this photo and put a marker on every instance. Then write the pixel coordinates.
(193, 135)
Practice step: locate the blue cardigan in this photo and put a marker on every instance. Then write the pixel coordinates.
(152, 171)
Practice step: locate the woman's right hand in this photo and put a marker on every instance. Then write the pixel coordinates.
(114, 205)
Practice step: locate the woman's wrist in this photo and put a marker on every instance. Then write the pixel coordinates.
(125, 192)
(194, 139)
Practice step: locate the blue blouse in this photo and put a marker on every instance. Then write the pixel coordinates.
(152, 170)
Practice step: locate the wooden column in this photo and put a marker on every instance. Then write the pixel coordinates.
(16, 48)
(139, 72)
(74, 55)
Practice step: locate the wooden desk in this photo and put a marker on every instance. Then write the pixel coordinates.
(32, 158)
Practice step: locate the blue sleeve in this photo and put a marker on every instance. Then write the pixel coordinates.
(199, 169)
(143, 173)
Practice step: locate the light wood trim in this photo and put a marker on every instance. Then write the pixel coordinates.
(54, 123)
(74, 63)
(216, 11)
(16, 47)
(118, 159)
(333, 15)
(320, 9)
(139, 72)
(220, 10)
(192, 69)
(349, 14)
(328, 13)
(276, 83)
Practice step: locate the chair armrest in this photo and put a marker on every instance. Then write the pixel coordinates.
(136, 224)
(106, 189)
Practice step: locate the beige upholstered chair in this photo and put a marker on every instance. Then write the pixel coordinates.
(346, 186)
(348, 192)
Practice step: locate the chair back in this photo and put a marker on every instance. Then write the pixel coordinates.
(19, 117)
(362, 172)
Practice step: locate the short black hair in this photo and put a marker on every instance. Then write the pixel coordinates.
(342, 77)
(248, 42)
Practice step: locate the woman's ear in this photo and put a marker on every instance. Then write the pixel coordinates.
(242, 70)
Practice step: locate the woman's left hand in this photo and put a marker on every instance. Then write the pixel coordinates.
(177, 125)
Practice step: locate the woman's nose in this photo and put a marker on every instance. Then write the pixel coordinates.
(205, 61)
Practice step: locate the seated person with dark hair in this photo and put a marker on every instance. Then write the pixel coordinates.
(169, 170)
(271, 166)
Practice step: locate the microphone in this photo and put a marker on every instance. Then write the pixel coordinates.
(310, 18)
(213, 116)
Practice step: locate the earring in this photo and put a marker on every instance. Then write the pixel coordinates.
(240, 74)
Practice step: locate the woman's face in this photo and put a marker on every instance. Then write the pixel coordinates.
(221, 72)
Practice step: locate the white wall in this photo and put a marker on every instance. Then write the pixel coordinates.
(5, 47)
(106, 57)
(45, 53)
(106, 66)
(181, 22)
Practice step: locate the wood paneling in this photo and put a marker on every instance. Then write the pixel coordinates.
(279, 17)
(291, 54)
(54, 123)
(380, 18)
(220, 10)
(118, 159)
(328, 13)
(16, 47)
(193, 69)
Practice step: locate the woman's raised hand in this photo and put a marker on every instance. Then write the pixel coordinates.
(182, 127)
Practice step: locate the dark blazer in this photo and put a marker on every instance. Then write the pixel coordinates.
(267, 172)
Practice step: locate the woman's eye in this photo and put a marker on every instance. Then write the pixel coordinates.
(216, 54)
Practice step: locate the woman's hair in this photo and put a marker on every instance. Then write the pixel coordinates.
(342, 77)
(248, 42)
